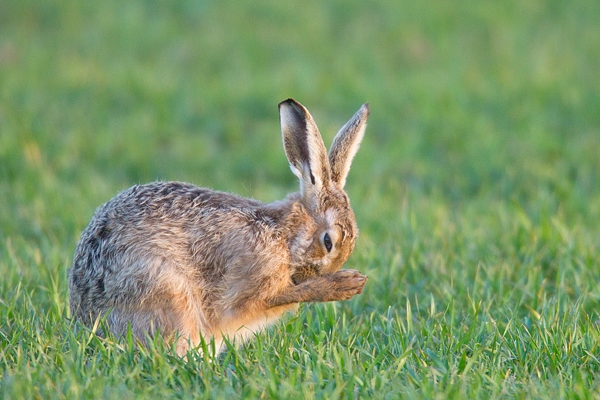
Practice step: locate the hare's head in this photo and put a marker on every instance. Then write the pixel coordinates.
(326, 235)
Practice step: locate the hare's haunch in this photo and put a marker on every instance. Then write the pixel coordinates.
(189, 262)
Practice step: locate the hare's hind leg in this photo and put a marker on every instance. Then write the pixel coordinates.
(187, 324)
(168, 323)
(166, 304)
(143, 323)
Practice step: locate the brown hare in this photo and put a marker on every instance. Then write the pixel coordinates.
(189, 262)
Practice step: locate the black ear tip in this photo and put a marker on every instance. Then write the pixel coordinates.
(366, 108)
(288, 102)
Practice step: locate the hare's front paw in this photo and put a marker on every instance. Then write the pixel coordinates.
(344, 284)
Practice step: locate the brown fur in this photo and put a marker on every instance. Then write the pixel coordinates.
(192, 262)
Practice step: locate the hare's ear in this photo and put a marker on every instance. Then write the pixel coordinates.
(304, 147)
(345, 144)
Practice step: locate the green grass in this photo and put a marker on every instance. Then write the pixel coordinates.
(476, 189)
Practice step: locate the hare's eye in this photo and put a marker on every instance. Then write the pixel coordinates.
(327, 242)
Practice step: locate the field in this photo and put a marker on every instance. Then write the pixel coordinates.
(476, 189)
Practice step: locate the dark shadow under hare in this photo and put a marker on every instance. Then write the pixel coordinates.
(190, 262)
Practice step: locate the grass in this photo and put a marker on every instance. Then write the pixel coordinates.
(476, 189)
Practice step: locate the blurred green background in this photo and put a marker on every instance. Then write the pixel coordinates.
(468, 98)
(478, 178)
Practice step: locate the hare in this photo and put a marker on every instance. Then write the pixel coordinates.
(187, 263)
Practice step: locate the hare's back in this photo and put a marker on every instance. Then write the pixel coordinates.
(168, 201)
(162, 216)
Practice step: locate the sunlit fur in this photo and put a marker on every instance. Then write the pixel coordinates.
(192, 263)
